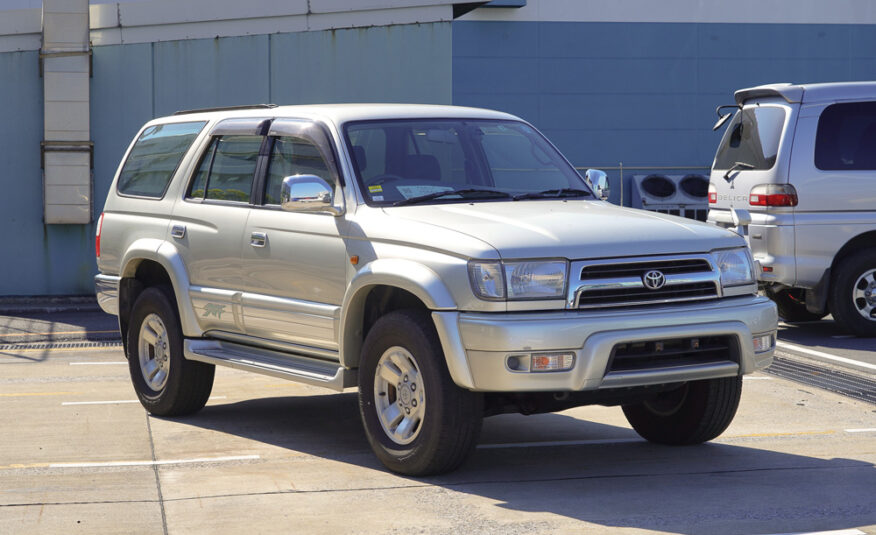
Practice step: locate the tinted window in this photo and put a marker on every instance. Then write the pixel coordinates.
(752, 137)
(293, 156)
(227, 169)
(846, 137)
(154, 158)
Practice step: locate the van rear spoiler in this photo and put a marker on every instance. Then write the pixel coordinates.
(790, 92)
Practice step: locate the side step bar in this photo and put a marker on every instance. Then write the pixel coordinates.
(297, 368)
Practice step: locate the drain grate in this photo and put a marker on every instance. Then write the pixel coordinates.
(847, 384)
(60, 345)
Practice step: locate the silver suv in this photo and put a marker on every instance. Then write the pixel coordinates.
(796, 173)
(447, 261)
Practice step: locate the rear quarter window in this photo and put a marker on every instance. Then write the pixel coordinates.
(846, 137)
(155, 157)
(752, 138)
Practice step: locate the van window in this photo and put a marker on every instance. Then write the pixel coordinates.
(753, 138)
(227, 169)
(155, 157)
(846, 137)
(293, 156)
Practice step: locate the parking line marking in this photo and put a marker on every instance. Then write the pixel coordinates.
(113, 464)
(112, 363)
(776, 435)
(824, 355)
(118, 401)
(868, 430)
(59, 349)
(33, 394)
(757, 378)
(57, 333)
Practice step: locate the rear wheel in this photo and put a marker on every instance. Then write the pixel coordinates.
(791, 303)
(166, 383)
(853, 293)
(417, 420)
(696, 412)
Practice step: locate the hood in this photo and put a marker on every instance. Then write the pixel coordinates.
(572, 229)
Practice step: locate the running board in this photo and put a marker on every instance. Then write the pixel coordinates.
(297, 368)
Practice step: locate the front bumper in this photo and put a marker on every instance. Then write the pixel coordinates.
(477, 345)
(106, 288)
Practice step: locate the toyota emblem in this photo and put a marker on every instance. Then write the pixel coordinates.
(653, 280)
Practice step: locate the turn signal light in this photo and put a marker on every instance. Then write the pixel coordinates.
(552, 362)
(97, 236)
(713, 194)
(773, 195)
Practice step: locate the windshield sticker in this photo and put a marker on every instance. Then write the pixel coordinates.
(377, 198)
(377, 188)
(416, 191)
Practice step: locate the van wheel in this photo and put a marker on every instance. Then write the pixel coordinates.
(696, 412)
(166, 383)
(417, 420)
(853, 293)
(791, 303)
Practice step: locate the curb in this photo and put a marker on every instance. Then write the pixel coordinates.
(47, 304)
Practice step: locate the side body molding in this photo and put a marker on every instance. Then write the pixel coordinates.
(165, 254)
(399, 273)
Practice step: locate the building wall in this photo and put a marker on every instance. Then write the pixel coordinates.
(642, 93)
(132, 83)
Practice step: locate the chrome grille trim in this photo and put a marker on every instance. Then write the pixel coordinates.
(599, 279)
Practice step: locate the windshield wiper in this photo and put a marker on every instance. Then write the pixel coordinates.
(467, 193)
(554, 194)
(734, 167)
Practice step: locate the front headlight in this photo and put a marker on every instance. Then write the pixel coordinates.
(735, 266)
(531, 279)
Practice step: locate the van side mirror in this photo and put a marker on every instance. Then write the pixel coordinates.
(598, 182)
(309, 194)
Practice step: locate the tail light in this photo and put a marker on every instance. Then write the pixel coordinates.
(773, 195)
(97, 238)
(713, 194)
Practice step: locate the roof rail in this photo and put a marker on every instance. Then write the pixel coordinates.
(228, 108)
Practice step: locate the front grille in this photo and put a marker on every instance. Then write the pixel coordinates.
(653, 354)
(636, 269)
(615, 283)
(620, 296)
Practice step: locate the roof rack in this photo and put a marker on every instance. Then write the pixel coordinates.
(228, 108)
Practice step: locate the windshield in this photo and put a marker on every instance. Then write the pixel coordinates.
(752, 138)
(427, 160)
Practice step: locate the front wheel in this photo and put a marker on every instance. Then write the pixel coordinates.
(166, 383)
(695, 412)
(417, 420)
(853, 293)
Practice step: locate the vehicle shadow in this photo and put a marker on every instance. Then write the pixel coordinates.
(612, 479)
(824, 333)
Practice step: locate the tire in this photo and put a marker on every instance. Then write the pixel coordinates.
(853, 293)
(418, 422)
(696, 412)
(791, 303)
(166, 383)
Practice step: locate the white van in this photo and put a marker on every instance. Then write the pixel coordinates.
(796, 174)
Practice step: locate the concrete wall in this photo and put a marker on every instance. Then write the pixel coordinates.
(133, 83)
(642, 93)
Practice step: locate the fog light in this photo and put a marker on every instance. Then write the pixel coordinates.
(551, 362)
(763, 342)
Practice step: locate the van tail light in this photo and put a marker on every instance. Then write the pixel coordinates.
(97, 238)
(773, 195)
(713, 194)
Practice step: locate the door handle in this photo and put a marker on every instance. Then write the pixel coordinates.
(178, 231)
(258, 239)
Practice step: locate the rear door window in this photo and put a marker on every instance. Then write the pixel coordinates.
(846, 137)
(752, 138)
(227, 169)
(155, 157)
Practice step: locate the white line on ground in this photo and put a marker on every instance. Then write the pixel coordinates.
(828, 356)
(869, 430)
(98, 363)
(836, 532)
(115, 402)
(756, 378)
(155, 463)
(843, 336)
(558, 443)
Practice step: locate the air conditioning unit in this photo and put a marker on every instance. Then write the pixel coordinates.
(682, 195)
